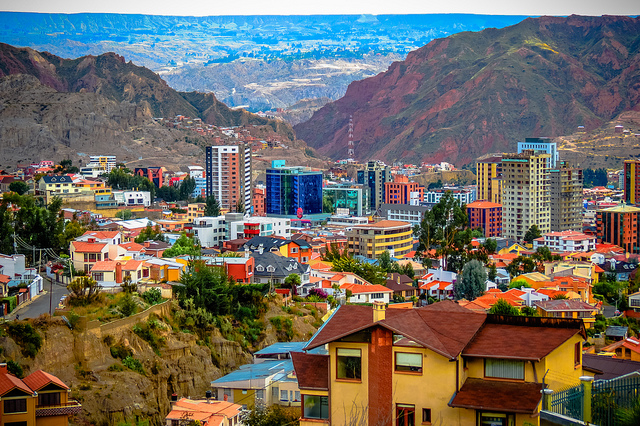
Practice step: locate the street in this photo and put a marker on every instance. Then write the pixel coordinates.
(40, 304)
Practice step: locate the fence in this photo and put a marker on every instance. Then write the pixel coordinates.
(598, 402)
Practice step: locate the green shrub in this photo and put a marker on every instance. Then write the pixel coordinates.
(128, 306)
(133, 364)
(153, 296)
(26, 337)
(146, 331)
(120, 351)
(116, 367)
(15, 369)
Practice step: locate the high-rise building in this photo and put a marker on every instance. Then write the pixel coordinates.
(525, 200)
(346, 198)
(632, 181)
(541, 145)
(375, 176)
(293, 188)
(489, 179)
(401, 191)
(229, 175)
(485, 215)
(371, 240)
(565, 198)
(619, 225)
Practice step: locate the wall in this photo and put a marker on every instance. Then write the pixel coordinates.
(349, 400)
(118, 326)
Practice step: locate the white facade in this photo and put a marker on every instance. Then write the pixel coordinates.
(570, 241)
(12, 265)
(531, 296)
(132, 198)
(268, 226)
(346, 220)
(210, 231)
(464, 195)
(541, 145)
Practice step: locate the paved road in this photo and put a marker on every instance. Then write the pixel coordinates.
(609, 311)
(40, 304)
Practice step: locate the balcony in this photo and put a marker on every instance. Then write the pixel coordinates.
(67, 409)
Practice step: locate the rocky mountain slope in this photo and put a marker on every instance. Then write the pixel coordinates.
(54, 108)
(472, 93)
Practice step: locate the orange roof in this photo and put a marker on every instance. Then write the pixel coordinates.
(132, 265)
(490, 299)
(598, 269)
(384, 224)
(314, 279)
(550, 292)
(39, 379)
(9, 382)
(84, 247)
(102, 234)
(132, 246)
(104, 265)
(4, 278)
(213, 412)
(482, 205)
(362, 288)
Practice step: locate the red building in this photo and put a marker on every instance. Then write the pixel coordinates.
(619, 225)
(486, 215)
(401, 191)
(257, 202)
(155, 174)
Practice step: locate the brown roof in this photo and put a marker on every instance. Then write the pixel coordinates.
(525, 338)
(312, 370)
(483, 394)
(564, 305)
(393, 285)
(39, 379)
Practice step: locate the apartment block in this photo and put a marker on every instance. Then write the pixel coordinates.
(401, 191)
(293, 188)
(375, 175)
(228, 175)
(489, 179)
(464, 195)
(486, 215)
(373, 239)
(632, 181)
(258, 201)
(619, 225)
(541, 146)
(525, 201)
(565, 198)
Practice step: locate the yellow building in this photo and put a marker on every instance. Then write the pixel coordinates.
(40, 399)
(195, 210)
(525, 197)
(373, 239)
(440, 364)
(489, 179)
(567, 308)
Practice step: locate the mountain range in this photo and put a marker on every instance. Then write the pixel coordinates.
(469, 94)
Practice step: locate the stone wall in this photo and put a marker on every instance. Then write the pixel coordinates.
(117, 327)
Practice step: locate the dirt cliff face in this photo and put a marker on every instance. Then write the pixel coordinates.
(473, 93)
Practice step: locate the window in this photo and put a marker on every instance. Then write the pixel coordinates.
(315, 407)
(405, 415)
(259, 268)
(284, 395)
(275, 391)
(297, 396)
(294, 249)
(15, 405)
(426, 415)
(98, 276)
(349, 364)
(504, 369)
(409, 362)
(49, 398)
(576, 353)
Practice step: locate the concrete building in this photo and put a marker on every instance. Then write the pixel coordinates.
(228, 174)
(525, 201)
(210, 231)
(293, 188)
(631, 182)
(566, 241)
(254, 226)
(541, 145)
(489, 179)
(375, 175)
(349, 199)
(403, 212)
(464, 195)
(486, 215)
(565, 198)
(132, 198)
(197, 173)
(154, 174)
(619, 225)
(401, 191)
(258, 201)
(373, 239)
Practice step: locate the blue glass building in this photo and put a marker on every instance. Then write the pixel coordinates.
(290, 188)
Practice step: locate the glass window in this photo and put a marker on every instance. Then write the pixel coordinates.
(49, 398)
(408, 362)
(405, 415)
(349, 364)
(504, 369)
(15, 405)
(284, 395)
(426, 415)
(275, 391)
(260, 394)
(315, 407)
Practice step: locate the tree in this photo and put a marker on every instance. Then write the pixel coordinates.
(128, 286)
(187, 186)
(169, 193)
(125, 214)
(521, 265)
(502, 307)
(493, 272)
(212, 207)
(6, 229)
(519, 284)
(274, 415)
(444, 230)
(150, 233)
(292, 281)
(529, 311)
(532, 233)
(84, 290)
(240, 206)
(183, 245)
(327, 204)
(39, 226)
(72, 230)
(19, 187)
(384, 260)
(472, 283)
(559, 296)
(128, 306)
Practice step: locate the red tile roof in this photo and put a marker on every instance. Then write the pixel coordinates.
(8, 382)
(484, 394)
(102, 235)
(39, 379)
(85, 247)
(363, 288)
(312, 370)
(104, 266)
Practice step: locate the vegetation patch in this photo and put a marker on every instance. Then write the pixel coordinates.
(134, 364)
(148, 331)
(26, 337)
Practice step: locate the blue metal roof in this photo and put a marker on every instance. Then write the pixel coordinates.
(282, 348)
(257, 371)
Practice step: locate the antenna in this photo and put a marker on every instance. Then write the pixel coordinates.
(350, 148)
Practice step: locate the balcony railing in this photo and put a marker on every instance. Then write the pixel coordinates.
(67, 409)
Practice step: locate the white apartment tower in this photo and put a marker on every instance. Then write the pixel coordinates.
(525, 199)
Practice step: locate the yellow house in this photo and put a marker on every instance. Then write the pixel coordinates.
(567, 308)
(40, 399)
(441, 364)
(514, 249)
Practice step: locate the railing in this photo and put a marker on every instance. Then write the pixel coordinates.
(568, 402)
(67, 409)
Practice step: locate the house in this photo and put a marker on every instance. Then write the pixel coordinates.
(205, 412)
(361, 293)
(239, 269)
(567, 308)
(38, 399)
(440, 364)
(566, 241)
(616, 332)
(85, 254)
(271, 267)
(628, 348)
(402, 290)
(606, 367)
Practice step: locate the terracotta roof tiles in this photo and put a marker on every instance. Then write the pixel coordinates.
(39, 379)
(482, 394)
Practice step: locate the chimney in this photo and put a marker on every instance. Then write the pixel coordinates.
(246, 252)
(379, 310)
(174, 399)
(3, 368)
(208, 396)
(118, 273)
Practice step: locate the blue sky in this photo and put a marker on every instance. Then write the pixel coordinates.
(301, 7)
